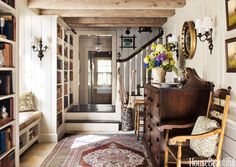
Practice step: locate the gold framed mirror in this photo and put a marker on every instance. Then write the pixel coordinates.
(188, 40)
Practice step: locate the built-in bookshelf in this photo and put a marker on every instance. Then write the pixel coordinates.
(65, 80)
(8, 84)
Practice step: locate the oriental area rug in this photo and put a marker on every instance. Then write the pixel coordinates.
(98, 151)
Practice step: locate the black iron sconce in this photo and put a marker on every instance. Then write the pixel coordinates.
(40, 48)
(205, 31)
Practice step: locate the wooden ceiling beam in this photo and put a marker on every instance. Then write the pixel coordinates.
(109, 12)
(75, 26)
(106, 4)
(127, 21)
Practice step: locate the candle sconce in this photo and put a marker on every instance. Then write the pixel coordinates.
(205, 31)
(38, 47)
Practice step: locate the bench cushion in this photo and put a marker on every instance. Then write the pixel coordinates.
(27, 118)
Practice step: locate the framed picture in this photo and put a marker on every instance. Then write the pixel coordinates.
(230, 14)
(230, 45)
(127, 41)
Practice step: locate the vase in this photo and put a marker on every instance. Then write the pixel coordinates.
(158, 75)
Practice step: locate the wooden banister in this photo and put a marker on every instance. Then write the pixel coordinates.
(140, 49)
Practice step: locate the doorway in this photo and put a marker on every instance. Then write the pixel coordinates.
(97, 69)
(100, 77)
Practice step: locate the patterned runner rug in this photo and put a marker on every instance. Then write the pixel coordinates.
(98, 151)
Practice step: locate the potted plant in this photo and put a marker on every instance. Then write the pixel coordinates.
(159, 61)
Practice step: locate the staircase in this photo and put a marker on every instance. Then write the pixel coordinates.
(107, 122)
(135, 62)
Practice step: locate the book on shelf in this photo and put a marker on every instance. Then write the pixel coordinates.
(71, 75)
(5, 140)
(6, 51)
(59, 77)
(9, 29)
(65, 76)
(71, 40)
(66, 38)
(59, 119)
(5, 82)
(59, 64)
(10, 2)
(8, 160)
(59, 91)
(59, 31)
(66, 65)
(66, 101)
(59, 49)
(66, 52)
(59, 105)
(71, 54)
(66, 89)
(9, 105)
(71, 98)
(71, 66)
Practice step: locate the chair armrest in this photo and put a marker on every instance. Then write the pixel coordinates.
(180, 139)
(170, 127)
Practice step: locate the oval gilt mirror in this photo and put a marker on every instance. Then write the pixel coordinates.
(188, 40)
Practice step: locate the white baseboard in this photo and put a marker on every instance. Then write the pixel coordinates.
(50, 137)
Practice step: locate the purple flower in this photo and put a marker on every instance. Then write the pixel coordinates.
(161, 57)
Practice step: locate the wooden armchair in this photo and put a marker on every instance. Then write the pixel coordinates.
(177, 150)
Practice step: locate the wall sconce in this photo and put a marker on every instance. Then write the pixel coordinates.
(204, 31)
(38, 47)
(172, 42)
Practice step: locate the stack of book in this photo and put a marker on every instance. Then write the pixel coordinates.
(5, 140)
(8, 160)
(9, 30)
(6, 82)
(7, 54)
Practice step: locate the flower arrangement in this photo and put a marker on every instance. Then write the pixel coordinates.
(159, 57)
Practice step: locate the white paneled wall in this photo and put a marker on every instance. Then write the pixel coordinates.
(211, 67)
(35, 75)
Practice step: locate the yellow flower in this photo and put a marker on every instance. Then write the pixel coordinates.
(172, 62)
(146, 59)
(153, 55)
(160, 48)
(153, 47)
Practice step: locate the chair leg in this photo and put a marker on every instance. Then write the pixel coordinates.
(135, 119)
(179, 155)
(138, 121)
(166, 149)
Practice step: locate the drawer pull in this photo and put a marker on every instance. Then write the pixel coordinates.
(151, 129)
(151, 116)
(157, 105)
(145, 95)
(158, 123)
(151, 99)
(157, 139)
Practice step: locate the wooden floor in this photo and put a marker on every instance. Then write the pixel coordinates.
(101, 108)
(36, 154)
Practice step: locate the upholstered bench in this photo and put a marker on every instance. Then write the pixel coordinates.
(29, 121)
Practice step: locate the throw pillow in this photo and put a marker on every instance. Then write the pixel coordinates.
(204, 147)
(26, 102)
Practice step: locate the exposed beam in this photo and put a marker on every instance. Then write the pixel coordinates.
(105, 4)
(127, 21)
(75, 26)
(110, 12)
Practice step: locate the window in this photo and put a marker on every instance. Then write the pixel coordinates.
(104, 73)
